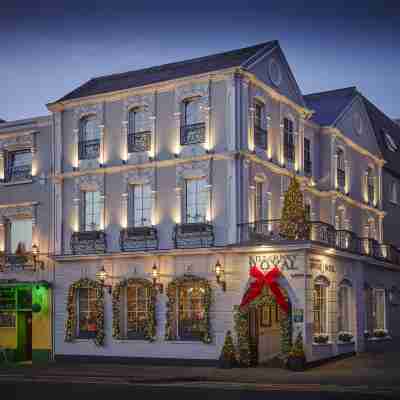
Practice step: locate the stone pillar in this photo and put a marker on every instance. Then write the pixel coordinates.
(124, 141)
(154, 214)
(179, 219)
(102, 145)
(76, 223)
(209, 213)
(124, 210)
(177, 125)
(2, 165)
(347, 184)
(75, 155)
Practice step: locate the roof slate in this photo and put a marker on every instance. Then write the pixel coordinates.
(330, 104)
(382, 124)
(126, 80)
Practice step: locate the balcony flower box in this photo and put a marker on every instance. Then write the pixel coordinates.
(345, 337)
(380, 333)
(321, 338)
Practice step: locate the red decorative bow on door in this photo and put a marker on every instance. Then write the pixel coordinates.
(259, 280)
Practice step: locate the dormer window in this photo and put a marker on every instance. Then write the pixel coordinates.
(193, 126)
(19, 166)
(139, 138)
(89, 138)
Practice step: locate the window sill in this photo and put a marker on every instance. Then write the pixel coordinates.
(24, 182)
(322, 344)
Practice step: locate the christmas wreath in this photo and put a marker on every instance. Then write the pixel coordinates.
(70, 324)
(151, 322)
(172, 293)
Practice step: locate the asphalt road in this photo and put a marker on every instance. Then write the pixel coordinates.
(207, 391)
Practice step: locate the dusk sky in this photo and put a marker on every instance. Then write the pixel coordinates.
(48, 48)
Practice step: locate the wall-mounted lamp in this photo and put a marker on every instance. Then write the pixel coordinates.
(35, 255)
(101, 277)
(156, 276)
(220, 275)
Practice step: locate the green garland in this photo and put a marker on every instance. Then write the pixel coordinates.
(246, 349)
(171, 324)
(70, 323)
(151, 323)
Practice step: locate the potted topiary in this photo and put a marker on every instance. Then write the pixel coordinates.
(380, 333)
(228, 353)
(297, 360)
(321, 338)
(345, 337)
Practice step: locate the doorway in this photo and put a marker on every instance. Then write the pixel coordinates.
(24, 347)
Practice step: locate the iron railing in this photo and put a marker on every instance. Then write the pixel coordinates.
(88, 242)
(269, 231)
(260, 137)
(16, 262)
(140, 238)
(193, 235)
(193, 134)
(17, 174)
(89, 149)
(139, 141)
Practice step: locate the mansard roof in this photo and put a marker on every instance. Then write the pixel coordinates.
(382, 126)
(329, 105)
(127, 80)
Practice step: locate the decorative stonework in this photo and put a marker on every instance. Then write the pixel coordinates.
(275, 72)
(194, 169)
(139, 176)
(16, 211)
(89, 183)
(18, 141)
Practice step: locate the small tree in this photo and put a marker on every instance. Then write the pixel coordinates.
(294, 224)
(228, 353)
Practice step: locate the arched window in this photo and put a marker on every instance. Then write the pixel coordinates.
(89, 138)
(288, 142)
(344, 307)
(137, 310)
(87, 312)
(370, 185)
(139, 138)
(321, 285)
(341, 169)
(193, 126)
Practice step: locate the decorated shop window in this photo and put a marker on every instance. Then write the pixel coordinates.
(8, 304)
(320, 306)
(379, 309)
(134, 305)
(85, 312)
(188, 312)
(344, 308)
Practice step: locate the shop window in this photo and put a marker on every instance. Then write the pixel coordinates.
(87, 314)
(137, 310)
(320, 306)
(379, 309)
(344, 308)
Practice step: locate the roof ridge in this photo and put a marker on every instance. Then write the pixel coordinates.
(353, 88)
(183, 62)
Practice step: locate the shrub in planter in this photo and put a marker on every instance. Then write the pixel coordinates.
(296, 359)
(321, 338)
(346, 337)
(228, 353)
(380, 333)
(367, 335)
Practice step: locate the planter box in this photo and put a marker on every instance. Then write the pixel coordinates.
(321, 351)
(345, 347)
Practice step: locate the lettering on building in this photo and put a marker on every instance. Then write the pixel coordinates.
(265, 262)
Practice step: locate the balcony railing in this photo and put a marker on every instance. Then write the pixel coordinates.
(17, 174)
(89, 242)
(193, 134)
(141, 238)
(16, 262)
(193, 235)
(139, 141)
(269, 231)
(89, 149)
(260, 138)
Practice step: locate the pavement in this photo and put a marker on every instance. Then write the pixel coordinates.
(369, 374)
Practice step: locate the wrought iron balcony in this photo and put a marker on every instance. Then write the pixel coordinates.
(269, 231)
(193, 134)
(139, 141)
(88, 242)
(89, 149)
(138, 238)
(17, 262)
(260, 137)
(193, 235)
(18, 174)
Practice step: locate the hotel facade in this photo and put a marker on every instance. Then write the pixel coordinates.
(133, 216)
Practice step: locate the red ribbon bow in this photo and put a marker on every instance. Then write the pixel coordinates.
(260, 280)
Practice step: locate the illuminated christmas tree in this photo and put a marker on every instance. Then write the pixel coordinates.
(228, 353)
(294, 224)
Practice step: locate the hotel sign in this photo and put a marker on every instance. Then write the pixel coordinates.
(319, 265)
(265, 262)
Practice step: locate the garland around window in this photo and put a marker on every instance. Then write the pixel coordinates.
(172, 292)
(151, 323)
(70, 324)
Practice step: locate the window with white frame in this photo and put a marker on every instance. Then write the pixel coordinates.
(92, 209)
(193, 126)
(139, 139)
(320, 290)
(196, 200)
(89, 138)
(307, 157)
(379, 309)
(260, 131)
(18, 165)
(87, 314)
(289, 141)
(393, 192)
(258, 202)
(341, 169)
(370, 185)
(137, 309)
(139, 213)
(344, 308)
(20, 240)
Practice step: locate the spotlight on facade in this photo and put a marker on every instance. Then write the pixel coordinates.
(101, 277)
(220, 275)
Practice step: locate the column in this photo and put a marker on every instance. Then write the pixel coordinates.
(347, 184)
(334, 164)
(378, 189)
(178, 209)
(154, 217)
(124, 141)
(75, 155)
(76, 214)
(177, 118)
(2, 165)
(124, 210)
(251, 133)
(102, 145)
(209, 216)
(269, 210)
(153, 150)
